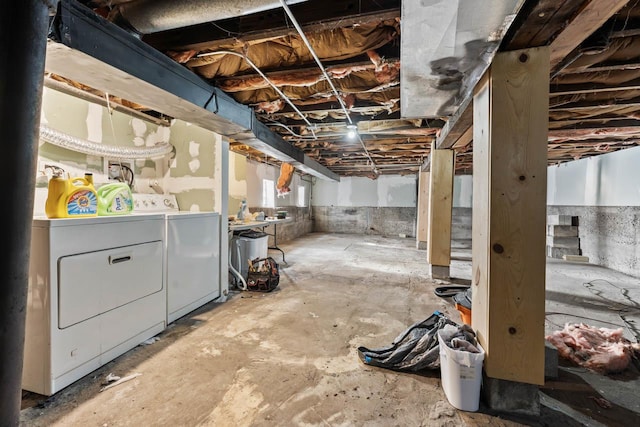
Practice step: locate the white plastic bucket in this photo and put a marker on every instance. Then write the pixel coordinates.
(461, 375)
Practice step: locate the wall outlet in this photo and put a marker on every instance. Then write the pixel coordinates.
(119, 170)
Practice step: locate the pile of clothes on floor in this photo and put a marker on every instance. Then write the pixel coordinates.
(601, 350)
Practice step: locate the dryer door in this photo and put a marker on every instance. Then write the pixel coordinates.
(96, 282)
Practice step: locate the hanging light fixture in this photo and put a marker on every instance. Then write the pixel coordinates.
(352, 131)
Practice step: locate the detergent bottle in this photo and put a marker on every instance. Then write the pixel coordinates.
(70, 197)
(115, 199)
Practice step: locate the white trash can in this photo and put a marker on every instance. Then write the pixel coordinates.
(246, 246)
(461, 376)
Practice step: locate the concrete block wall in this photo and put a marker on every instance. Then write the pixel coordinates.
(385, 221)
(461, 227)
(609, 235)
(562, 236)
(300, 225)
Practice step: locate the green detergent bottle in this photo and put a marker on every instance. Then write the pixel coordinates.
(115, 199)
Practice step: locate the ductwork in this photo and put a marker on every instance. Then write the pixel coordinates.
(152, 16)
(88, 49)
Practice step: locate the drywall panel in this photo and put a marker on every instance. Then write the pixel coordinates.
(89, 121)
(611, 179)
(237, 181)
(261, 180)
(191, 174)
(386, 191)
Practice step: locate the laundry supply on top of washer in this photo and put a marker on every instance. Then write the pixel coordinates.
(243, 212)
(70, 197)
(115, 199)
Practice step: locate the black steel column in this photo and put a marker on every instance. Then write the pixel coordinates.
(23, 38)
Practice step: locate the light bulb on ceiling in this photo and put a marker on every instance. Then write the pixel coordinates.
(352, 131)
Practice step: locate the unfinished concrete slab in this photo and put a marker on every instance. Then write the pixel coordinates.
(289, 357)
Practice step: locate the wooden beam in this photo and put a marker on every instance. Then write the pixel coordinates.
(586, 105)
(594, 133)
(465, 139)
(423, 210)
(574, 89)
(456, 126)
(589, 19)
(537, 23)
(509, 214)
(426, 164)
(440, 205)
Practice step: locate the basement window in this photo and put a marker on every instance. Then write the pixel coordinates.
(268, 193)
(301, 197)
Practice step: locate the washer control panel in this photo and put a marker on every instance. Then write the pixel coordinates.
(143, 202)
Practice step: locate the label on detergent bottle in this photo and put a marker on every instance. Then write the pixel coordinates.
(121, 204)
(82, 202)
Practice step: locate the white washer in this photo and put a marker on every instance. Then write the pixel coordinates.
(192, 251)
(96, 290)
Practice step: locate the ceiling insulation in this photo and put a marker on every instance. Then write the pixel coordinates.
(392, 61)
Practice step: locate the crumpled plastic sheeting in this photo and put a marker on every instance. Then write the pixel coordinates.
(414, 349)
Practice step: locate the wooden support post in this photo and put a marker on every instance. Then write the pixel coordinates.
(509, 214)
(422, 213)
(440, 205)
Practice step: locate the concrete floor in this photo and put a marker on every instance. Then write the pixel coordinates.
(289, 357)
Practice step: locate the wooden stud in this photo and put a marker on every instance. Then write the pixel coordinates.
(509, 214)
(440, 205)
(423, 210)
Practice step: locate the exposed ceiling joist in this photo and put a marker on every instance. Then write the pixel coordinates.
(590, 18)
(81, 41)
(574, 89)
(595, 86)
(603, 68)
(538, 22)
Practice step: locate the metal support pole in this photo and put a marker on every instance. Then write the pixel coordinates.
(23, 40)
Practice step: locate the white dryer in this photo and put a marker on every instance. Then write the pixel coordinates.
(192, 251)
(96, 290)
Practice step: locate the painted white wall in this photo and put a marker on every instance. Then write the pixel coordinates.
(246, 182)
(611, 179)
(386, 191)
(463, 191)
